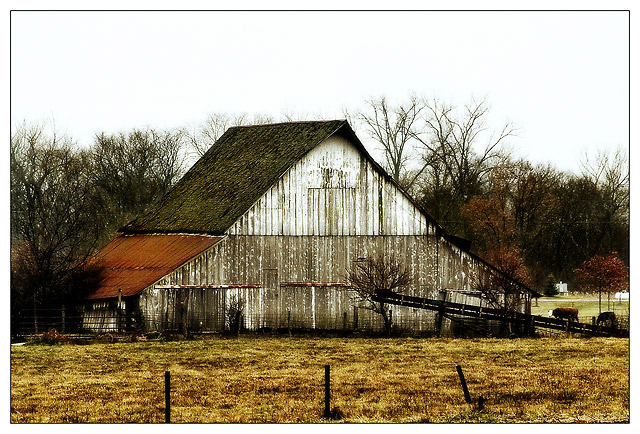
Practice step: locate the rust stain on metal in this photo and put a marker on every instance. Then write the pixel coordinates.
(308, 284)
(208, 286)
(133, 262)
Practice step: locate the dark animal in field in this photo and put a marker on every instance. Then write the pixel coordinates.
(607, 319)
(570, 313)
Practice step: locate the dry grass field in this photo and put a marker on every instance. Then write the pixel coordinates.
(281, 379)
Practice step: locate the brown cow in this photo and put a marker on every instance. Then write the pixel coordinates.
(570, 313)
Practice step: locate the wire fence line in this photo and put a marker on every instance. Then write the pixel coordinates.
(31, 322)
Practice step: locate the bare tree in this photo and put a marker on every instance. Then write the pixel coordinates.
(376, 277)
(53, 229)
(394, 128)
(132, 170)
(289, 115)
(502, 286)
(609, 172)
(202, 136)
(261, 119)
(458, 151)
(234, 314)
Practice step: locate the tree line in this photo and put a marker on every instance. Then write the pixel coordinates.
(533, 221)
(69, 200)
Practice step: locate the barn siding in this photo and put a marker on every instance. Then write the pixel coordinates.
(241, 259)
(272, 263)
(333, 190)
(308, 307)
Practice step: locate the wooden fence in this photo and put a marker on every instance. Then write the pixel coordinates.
(524, 321)
(469, 317)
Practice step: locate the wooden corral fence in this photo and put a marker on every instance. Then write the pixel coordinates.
(467, 316)
(457, 311)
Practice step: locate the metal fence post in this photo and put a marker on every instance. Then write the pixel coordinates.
(327, 391)
(167, 397)
(467, 397)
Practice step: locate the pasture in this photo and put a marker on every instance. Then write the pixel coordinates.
(280, 379)
(587, 305)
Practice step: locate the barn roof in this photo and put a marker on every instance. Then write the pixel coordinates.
(235, 172)
(133, 262)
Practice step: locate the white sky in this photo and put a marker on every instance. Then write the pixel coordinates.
(562, 77)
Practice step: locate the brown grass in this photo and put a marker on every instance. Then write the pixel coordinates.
(280, 379)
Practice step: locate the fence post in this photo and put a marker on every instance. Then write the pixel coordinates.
(442, 297)
(355, 317)
(35, 315)
(532, 325)
(467, 397)
(439, 319)
(63, 320)
(167, 397)
(327, 391)
(119, 310)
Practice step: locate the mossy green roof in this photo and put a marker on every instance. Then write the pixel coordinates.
(235, 172)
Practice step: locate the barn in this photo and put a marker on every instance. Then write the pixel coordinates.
(269, 220)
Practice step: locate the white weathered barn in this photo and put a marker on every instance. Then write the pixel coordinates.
(273, 215)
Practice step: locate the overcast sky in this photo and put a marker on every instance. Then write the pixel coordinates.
(562, 77)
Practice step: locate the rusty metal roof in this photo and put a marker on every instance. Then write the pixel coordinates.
(133, 262)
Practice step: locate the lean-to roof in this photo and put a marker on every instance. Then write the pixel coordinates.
(133, 262)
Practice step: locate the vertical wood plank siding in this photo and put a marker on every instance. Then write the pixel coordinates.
(328, 210)
(332, 191)
(271, 262)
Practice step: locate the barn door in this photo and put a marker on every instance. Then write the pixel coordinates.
(270, 288)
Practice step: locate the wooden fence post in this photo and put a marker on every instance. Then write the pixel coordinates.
(532, 326)
(467, 397)
(327, 391)
(35, 315)
(355, 317)
(439, 319)
(167, 397)
(119, 311)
